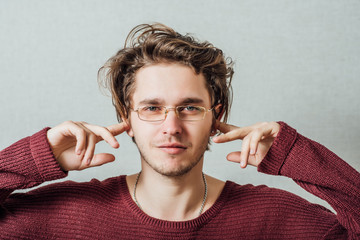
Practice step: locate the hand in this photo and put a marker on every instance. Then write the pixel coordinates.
(73, 143)
(257, 140)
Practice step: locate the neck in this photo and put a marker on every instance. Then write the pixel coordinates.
(177, 198)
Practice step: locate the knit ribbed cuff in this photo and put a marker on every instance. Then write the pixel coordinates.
(276, 156)
(48, 167)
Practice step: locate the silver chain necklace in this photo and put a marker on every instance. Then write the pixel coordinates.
(203, 202)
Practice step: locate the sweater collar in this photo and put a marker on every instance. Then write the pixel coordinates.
(176, 225)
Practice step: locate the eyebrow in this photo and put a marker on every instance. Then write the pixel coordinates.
(153, 101)
(158, 101)
(191, 100)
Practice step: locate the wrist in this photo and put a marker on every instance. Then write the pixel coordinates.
(276, 156)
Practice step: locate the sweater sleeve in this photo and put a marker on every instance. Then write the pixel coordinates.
(317, 170)
(27, 163)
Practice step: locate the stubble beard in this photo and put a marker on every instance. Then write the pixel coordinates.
(181, 170)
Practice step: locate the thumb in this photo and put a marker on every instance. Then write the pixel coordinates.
(100, 159)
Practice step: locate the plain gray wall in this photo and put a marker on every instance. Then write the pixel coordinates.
(296, 61)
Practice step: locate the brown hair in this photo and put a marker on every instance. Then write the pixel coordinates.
(150, 44)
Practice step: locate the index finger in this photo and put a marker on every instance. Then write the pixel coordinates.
(231, 133)
(224, 127)
(108, 133)
(118, 128)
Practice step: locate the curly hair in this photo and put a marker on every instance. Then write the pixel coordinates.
(149, 44)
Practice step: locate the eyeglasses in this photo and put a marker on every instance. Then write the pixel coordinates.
(159, 113)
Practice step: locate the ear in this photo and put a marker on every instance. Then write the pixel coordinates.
(129, 131)
(217, 110)
(219, 114)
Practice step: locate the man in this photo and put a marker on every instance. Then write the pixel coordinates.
(171, 95)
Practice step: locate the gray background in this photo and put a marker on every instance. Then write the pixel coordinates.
(296, 61)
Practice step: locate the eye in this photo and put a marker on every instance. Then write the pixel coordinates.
(151, 109)
(190, 109)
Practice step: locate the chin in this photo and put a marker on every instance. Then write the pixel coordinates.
(173, 167)
(175, 172)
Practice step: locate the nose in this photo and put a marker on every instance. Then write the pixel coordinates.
(172, 125)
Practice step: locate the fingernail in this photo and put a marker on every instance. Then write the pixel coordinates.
(88, 161)
(252, 152)
(78, 152)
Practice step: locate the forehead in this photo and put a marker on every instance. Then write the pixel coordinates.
(170, 84)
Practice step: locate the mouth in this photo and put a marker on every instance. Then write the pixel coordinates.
(172, 148)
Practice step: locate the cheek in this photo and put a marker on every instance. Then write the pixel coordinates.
(141, 130)
(200, 130)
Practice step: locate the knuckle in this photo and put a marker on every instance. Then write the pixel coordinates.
(104, 130)
(274, 124)
(247, 138)
(68, 122)
(253, 141)
(257, 132)
(260, 125)
(92, 136)
(258, 128)
(81, 131)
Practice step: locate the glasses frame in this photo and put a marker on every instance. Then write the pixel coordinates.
(168, 109)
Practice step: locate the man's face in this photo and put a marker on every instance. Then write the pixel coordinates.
(171, 147)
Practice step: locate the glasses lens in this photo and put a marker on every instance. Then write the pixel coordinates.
(157, 113)
(152, 113)
(191, 113)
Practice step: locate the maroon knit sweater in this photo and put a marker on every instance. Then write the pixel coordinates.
(105, 210)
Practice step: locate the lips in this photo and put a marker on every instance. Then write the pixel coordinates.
(172, 148)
